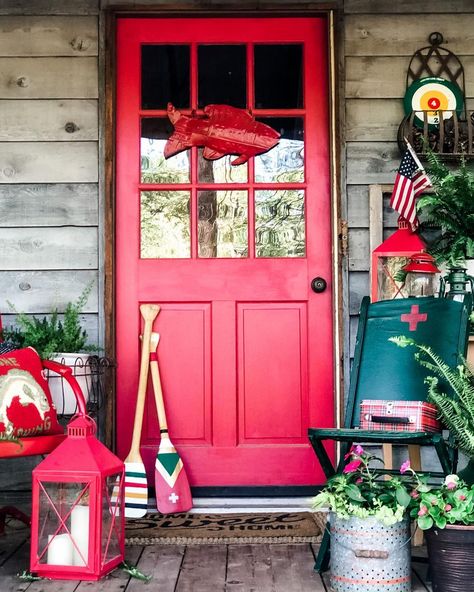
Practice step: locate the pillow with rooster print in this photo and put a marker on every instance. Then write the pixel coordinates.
(26, 407)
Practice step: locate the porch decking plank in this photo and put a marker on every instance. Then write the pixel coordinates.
(163, 563)
(15, 562)
(249, 568)
(203, 569)
(116, 581)
(292, 567)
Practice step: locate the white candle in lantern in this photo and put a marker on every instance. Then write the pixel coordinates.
(80, 534)
(59, 550)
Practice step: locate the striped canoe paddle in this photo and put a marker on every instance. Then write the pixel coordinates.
(136, 486)
(172, 490)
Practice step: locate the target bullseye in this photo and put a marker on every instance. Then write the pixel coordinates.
(431, 95)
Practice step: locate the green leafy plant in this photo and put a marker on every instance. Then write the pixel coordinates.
(363, 491)
(50, 335)
(454, 395)
(450, 208)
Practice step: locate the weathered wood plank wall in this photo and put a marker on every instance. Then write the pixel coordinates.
(380, 38)
(49, 129)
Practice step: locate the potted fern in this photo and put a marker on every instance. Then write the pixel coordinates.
(58, 337)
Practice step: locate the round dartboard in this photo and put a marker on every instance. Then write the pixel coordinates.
(431, 95)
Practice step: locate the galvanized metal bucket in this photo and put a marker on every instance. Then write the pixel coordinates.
(367, 556)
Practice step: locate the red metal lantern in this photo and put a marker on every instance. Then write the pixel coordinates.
(421, 273)
(77, 523)
(389, 258)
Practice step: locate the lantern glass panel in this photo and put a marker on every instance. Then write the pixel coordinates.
(111, 527)
(63, 518)
(421, 284)
(388, 288)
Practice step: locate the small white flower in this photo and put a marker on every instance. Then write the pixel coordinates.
(451, 481)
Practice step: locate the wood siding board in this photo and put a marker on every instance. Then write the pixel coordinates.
(66, 247)
(372, 162)
(49, 7)
(48, 162)
(406, 6)
(358, 288)
(358, 206)
(48, 205)
(359, 253)
(369, 120)
(48, 36)
(384, 77)
(48, 78)
(386, 35)
(48, 120)
(39, 292)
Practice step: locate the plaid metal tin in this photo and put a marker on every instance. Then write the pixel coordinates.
(399, 416)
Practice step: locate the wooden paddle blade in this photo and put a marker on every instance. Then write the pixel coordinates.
(136, 490)
(173, 494)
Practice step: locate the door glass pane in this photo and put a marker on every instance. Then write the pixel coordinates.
(155, 131)
(278, 76)
(280, 223)
(284, 163)
(222, 226)
(164, 224)
(221, 75)
(221, 171)
(165, 76)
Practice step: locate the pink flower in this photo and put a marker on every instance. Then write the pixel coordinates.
(461, 497)
(357, 450)
(415, 494)
(352, 466)
(451, 481)
(359, 480)
(405, 466)
(423, 510)
(448, 507)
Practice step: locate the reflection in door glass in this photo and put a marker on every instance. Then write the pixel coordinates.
(279, 76)
(220, 170)
(164, 225)
(222, 225)
(280, 223)
(284, 163)
(222, 78)
(165, 76)
(155, 131)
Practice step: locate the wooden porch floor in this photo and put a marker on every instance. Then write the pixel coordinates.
(196, 568)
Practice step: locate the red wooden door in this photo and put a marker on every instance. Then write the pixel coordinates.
(229, 252)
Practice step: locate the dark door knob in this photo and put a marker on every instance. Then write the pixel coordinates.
(318, 285)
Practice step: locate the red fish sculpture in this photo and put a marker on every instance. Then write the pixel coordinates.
(222, 130)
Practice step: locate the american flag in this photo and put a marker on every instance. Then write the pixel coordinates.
(410, 182)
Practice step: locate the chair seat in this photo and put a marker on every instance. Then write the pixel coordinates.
(356, 435)
(30, 446)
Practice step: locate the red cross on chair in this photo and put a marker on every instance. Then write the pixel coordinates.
(414, 317)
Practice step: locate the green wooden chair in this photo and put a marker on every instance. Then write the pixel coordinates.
(381, 370)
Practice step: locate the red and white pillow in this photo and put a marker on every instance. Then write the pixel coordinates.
(26, 407)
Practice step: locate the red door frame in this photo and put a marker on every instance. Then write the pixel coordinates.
(110, 204)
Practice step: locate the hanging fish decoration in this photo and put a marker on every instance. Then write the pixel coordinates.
(221, 130)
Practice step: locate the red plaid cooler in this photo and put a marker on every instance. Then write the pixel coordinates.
(399, 416)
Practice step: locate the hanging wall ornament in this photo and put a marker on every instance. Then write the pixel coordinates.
(221, 130)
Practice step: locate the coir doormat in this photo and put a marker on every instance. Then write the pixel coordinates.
(199, 529)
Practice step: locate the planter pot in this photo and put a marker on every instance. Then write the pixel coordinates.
(451, 552)
(61, 393)
(367, 555)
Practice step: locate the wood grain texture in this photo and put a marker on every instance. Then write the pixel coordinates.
(402, 35)
(117, 581)
(65, 247)
(48, 36)
(203, 569)
(407, 6)
(49, 7)
(384, 77)
(358, 206)
(162, 563)
(292, 566)
(48, 162)
(373, 120)
(42, 291)
(359, 252)
(49, 205)
(372, 162)
(358, 288)
(48, 78)
(48, 120)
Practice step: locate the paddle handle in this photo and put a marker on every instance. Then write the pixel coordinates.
(149, 313)
(156, 379)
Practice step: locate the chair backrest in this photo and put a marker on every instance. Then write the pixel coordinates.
(381, 369)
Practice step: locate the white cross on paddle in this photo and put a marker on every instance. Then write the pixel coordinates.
(173, 498)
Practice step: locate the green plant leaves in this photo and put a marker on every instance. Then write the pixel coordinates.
(425, 522)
